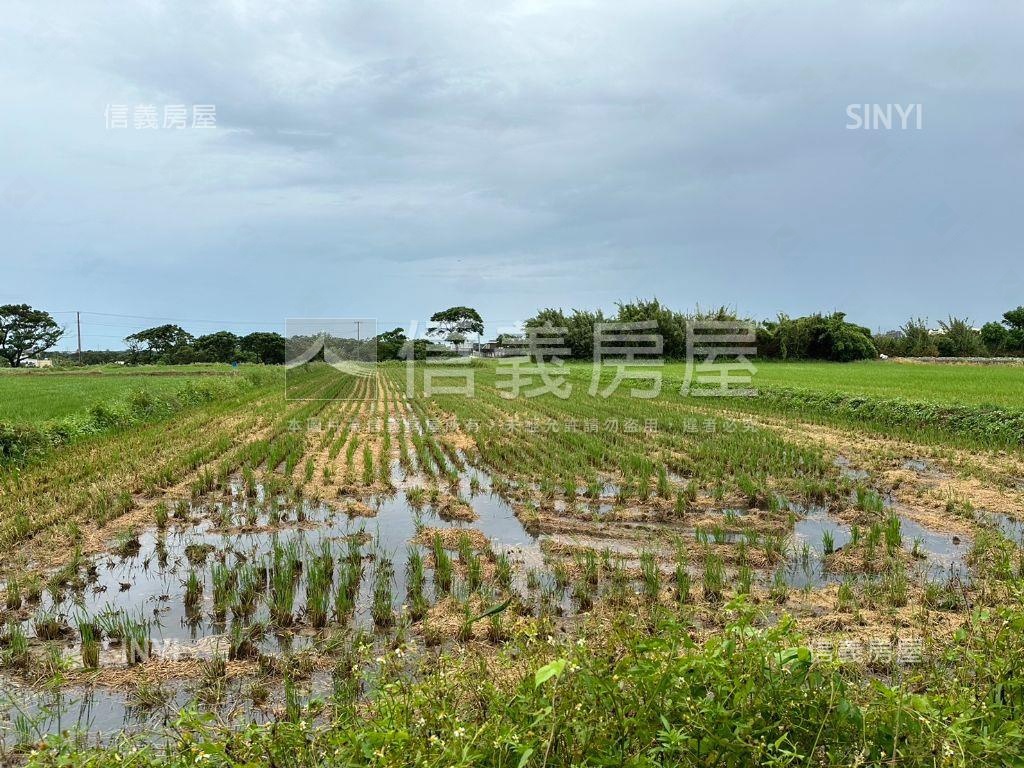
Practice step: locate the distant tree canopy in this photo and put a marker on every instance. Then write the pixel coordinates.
(171, 344)
(219, 347)
(580, 324)
(453, 324)
(957, 337)
(162, 344)
(263, 347)
(26, 333)
(815, 337)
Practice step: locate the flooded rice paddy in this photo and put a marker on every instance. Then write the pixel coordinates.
(251, 576)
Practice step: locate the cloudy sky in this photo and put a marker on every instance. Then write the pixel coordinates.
(388, 159)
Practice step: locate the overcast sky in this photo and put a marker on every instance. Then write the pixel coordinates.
(385, 159)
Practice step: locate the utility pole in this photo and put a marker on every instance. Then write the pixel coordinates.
(78, 320)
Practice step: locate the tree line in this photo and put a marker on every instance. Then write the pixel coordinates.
(26, 333)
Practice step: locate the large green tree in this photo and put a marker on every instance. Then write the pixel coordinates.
(264, 347)
(959, 339)
(164, 343)
(454, 323)
(26, 333)
(219, 347)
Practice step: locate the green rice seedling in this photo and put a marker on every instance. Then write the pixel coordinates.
(560, 573)
(474, 485)
(318, 591)
(589, 568)
(465, 549)
(846, 598)
(917, 551)
(779, 591)
(16, 654)
(681, 578)
(249, 487)
(680, 505)
(354, 549)
(181, 510)
(643, 487)
(503, 571)
(583, 595)
(292, 701)
(719, 535)
(212, 677)
(109, 621)
(474, 573)
(136, 638)
(127, 544)
(868, 500)
(896, 584)
(380, 608)
(893, 534)
(714, 577)
(193, 592)
(282, 592)
(222, 578)
(274, 512)
(620, 588)
(150, 694)
(416, 496)
(349, 576)
(664, 488)
(960, 506)
(828, 542)
(855, 535)
(750, 490)
(594, 488)
(774, 547)
(496, 631)
(414, 581)
(13, 594)
(651, 576)
(161, 514)
(465, 631)
(367, 465)
(33, 586)
(243, 641)
(546, 488)
(943, 596)
(623, 493)
(442, 568)
(744, 579)
(90, 644)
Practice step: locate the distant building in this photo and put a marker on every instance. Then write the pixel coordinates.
(39, 363)
(494, 349)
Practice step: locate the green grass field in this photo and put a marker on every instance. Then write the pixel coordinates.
(31, 397)
(954, 384)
